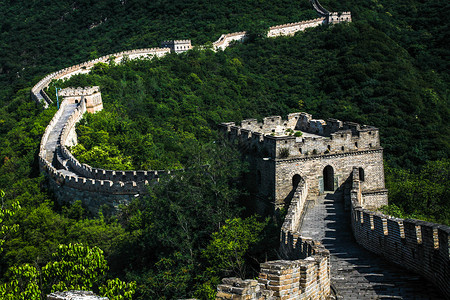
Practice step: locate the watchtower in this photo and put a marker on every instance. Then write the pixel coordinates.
(177, 46)
(323, 153)
(90, 95)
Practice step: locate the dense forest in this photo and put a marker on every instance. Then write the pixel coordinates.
(389, 68)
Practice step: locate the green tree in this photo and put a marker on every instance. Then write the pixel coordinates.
(24, 285)
(75, 267)
(6, 215)
(226, 251)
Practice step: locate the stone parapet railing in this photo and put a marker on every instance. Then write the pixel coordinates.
(318, 137)
(74, 295)
(38, 89)
(419, 246)
(82, 179)
(295, 210)
(303, 274)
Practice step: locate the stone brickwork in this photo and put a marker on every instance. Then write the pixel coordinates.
(339, 17)
(74, 295)
(418, 246)
(177, 46)
(288, 29)
(90, 95)
(303, 274)
(331, 17)
(323, 153)
(38, 94)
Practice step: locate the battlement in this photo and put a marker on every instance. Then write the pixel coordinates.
(177, 46)
(416, 245)
(303, 274)
(339, 17)
(226, 39)
(290, 29)
(80, 91)
(300, 136)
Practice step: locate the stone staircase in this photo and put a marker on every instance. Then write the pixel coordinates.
(51, 147)
(355, 272)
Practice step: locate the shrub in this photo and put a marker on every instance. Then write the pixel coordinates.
(284, 152)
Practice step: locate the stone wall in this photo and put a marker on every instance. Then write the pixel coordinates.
(177, 46)
(291, 28)
(303, 274)
(74, 295)
(282, 279)
(326, 151)
(226, 39)
(418, 246)
(317, 136)
(38, 93)
(312, 170)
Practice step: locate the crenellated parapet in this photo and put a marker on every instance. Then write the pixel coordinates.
(38, 91)
(321, 152)
(419, 246)
(304, 272)
(288, 29)
(331, 17)
(301, 136)
(339, 17)
(177, 46)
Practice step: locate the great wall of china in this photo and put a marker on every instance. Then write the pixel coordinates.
(309, 165)
(72, 180)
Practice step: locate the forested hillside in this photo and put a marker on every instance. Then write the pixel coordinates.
(389, 68)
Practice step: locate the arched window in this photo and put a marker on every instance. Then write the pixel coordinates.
(76, 101)
(361, 174)
(296, 180)
(328, 178)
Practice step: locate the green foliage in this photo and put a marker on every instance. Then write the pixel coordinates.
(169, 228)
(225, 252)
(284, 153)
(420, 196)
(5, 215)
(116, 289)
(24, 284)
(75, 267)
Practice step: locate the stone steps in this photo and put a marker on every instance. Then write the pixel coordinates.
(355, 272)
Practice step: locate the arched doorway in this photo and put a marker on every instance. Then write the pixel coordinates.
(328, 178)
(296, 180)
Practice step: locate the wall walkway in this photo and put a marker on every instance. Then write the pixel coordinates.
(304, 272)
(355, 272)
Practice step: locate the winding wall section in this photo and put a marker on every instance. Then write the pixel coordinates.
(303, 273)
(69, 179)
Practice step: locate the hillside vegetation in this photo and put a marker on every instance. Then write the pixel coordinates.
(389, 68)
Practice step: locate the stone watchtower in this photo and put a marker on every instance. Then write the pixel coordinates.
(282, 152)
(177, 46)
(90, 95)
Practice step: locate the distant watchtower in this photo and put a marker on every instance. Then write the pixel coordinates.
(90, 95)
(331, 17)
(323, 153)
(177, 46)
